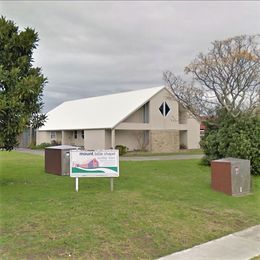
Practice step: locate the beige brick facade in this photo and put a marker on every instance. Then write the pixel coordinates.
(164, 140)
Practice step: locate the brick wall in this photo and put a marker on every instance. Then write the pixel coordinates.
(164, 140)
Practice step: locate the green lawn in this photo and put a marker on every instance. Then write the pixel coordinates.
(158, 207)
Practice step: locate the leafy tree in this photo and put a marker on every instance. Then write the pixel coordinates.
(233, 137)
(21, 84)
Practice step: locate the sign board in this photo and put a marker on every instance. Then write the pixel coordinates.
(100, 163)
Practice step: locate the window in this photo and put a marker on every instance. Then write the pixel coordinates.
(164, 109)
(53, 135)
(161, 108)
(146, 113)
(167, 109)
(82, 134)
(75, 134)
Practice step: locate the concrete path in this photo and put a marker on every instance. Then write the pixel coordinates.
(31, 151)
(141, 158)
(242, 245)
(163, 157)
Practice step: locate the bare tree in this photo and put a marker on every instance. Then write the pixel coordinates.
(140, 138)
(228, 76)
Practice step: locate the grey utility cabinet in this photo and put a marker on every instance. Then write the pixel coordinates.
(231, 176)
(57, 159)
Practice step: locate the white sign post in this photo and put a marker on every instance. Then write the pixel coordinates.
(77, 184)
(111, 184)
(100, 163)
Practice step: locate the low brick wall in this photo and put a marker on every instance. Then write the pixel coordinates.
(164, 140)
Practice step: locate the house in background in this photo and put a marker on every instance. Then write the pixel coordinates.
(148, 119)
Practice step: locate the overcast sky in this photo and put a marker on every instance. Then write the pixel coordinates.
(95, 48)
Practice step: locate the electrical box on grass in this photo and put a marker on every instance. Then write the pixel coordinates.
(57, 159)
(231, 176)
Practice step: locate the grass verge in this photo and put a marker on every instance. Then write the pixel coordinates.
(158, 207)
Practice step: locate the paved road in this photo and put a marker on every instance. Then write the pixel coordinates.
(141, 158)
(241, 245)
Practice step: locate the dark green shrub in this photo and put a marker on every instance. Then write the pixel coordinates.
(183, 146)
(42, 146)
(31, 146)
(226, 136)
(54, 143)
(122, 149)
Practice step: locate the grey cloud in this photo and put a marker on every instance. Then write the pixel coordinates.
(95, 48)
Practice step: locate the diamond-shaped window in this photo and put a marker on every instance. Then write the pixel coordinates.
(164, 109)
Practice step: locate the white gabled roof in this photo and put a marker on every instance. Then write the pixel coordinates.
(102, 112)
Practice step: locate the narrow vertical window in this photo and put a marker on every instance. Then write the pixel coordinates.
(82, 134)
(146, 113)
(75, 134)
(53, 135)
